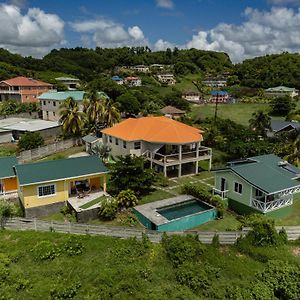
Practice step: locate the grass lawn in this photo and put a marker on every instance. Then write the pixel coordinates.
(239, 112)
(64, 154)
(292, 219)
(92, 202)
(155, 196)
(229, 222)
(8, 150)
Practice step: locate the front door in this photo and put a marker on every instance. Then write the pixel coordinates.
(223, 184)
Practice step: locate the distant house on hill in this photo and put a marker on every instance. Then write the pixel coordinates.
(69, 82)
(261, 184)
(172, 112)
(171, 147)
(281, 91)
(280, 126)
(22, 89)
(51, 101)
(219, 96)
(166, 79)
(140, 68)
(218, 81)
(117, 79)
(133, 81)
(191, 96)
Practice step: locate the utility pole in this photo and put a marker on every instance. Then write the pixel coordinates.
(216, 107)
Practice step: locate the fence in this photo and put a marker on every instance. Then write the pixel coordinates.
(30, 115)
(225, 238)
(43, 151)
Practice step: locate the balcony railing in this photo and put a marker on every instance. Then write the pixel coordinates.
(222, 194)
(175, 157)
(9, 92)
(266, 206)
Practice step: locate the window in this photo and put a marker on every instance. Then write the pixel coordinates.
(117, 141)
(110, 139)
(46, 190)
(54, 114)
(124, 144)
(44, 102)
(137, 145)
(47, 114)
(54, 103)
(238, 187)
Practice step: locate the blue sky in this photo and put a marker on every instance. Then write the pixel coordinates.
(242, 28)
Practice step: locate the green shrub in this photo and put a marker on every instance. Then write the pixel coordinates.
(108, 209)
(126, 199)
(7, 210)
(65, 292)
(30, 140)
(73, 246)
(45, 250)
(180, 249)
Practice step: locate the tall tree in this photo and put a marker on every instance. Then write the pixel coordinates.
(294, 156)
(71, 118)
(260, 123)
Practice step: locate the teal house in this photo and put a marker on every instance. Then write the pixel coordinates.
(261, 184)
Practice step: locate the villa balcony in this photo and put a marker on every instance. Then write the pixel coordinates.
(267, 206)
(173, 159)
(222, 194)
(9, 92)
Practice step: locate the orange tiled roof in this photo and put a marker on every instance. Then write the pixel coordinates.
(155, 130)
(24, 81)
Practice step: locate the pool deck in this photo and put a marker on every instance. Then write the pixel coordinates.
(149, 210)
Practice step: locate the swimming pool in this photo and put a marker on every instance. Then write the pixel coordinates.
(175, 214)
(183, 209)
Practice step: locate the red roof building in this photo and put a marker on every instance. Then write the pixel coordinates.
(22, 89)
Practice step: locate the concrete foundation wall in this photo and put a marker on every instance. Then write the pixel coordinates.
(44, 210)
(86, 215)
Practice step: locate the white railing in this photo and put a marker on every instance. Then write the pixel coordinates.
(271, 205)
(222, 194)
(169, 158)
(9, 92)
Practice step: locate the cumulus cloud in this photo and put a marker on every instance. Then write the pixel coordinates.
(263, 32)
(162, 45)
(33, 33)
(109, 34)
(165, 4)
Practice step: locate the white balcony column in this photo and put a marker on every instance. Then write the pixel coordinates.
(151, 160)
(180, 153)
(197, 149)
(165, 170)
(179, 170)
(197, 167)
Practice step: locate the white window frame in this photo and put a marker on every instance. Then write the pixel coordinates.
(235, 182)
(42, 186)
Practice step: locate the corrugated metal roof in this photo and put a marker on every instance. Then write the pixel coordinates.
(61, 96)
(55, 170)
(267, 172)
(6, 166)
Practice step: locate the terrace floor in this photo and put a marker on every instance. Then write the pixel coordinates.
(76, 202)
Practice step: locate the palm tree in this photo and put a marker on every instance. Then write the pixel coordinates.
(260, 122)
(71, 118)
(100, 111)
(102, 151)
(294, 157)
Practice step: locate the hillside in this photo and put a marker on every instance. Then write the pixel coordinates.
(269, 71)
(60, 266)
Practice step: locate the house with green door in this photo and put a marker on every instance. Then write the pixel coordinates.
(261, 184)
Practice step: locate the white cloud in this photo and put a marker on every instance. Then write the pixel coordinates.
(109, 34)
(34, 33)
(165, 4)
(263, 32)
(162, 45)
(284, 2)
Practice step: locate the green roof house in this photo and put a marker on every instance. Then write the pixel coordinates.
(281, 91)
(50, 102)
(46, 186)
(259, 184)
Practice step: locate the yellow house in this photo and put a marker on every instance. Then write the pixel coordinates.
(8, 179)
(46, 186)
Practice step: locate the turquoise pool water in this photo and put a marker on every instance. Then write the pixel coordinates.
(183, 209)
